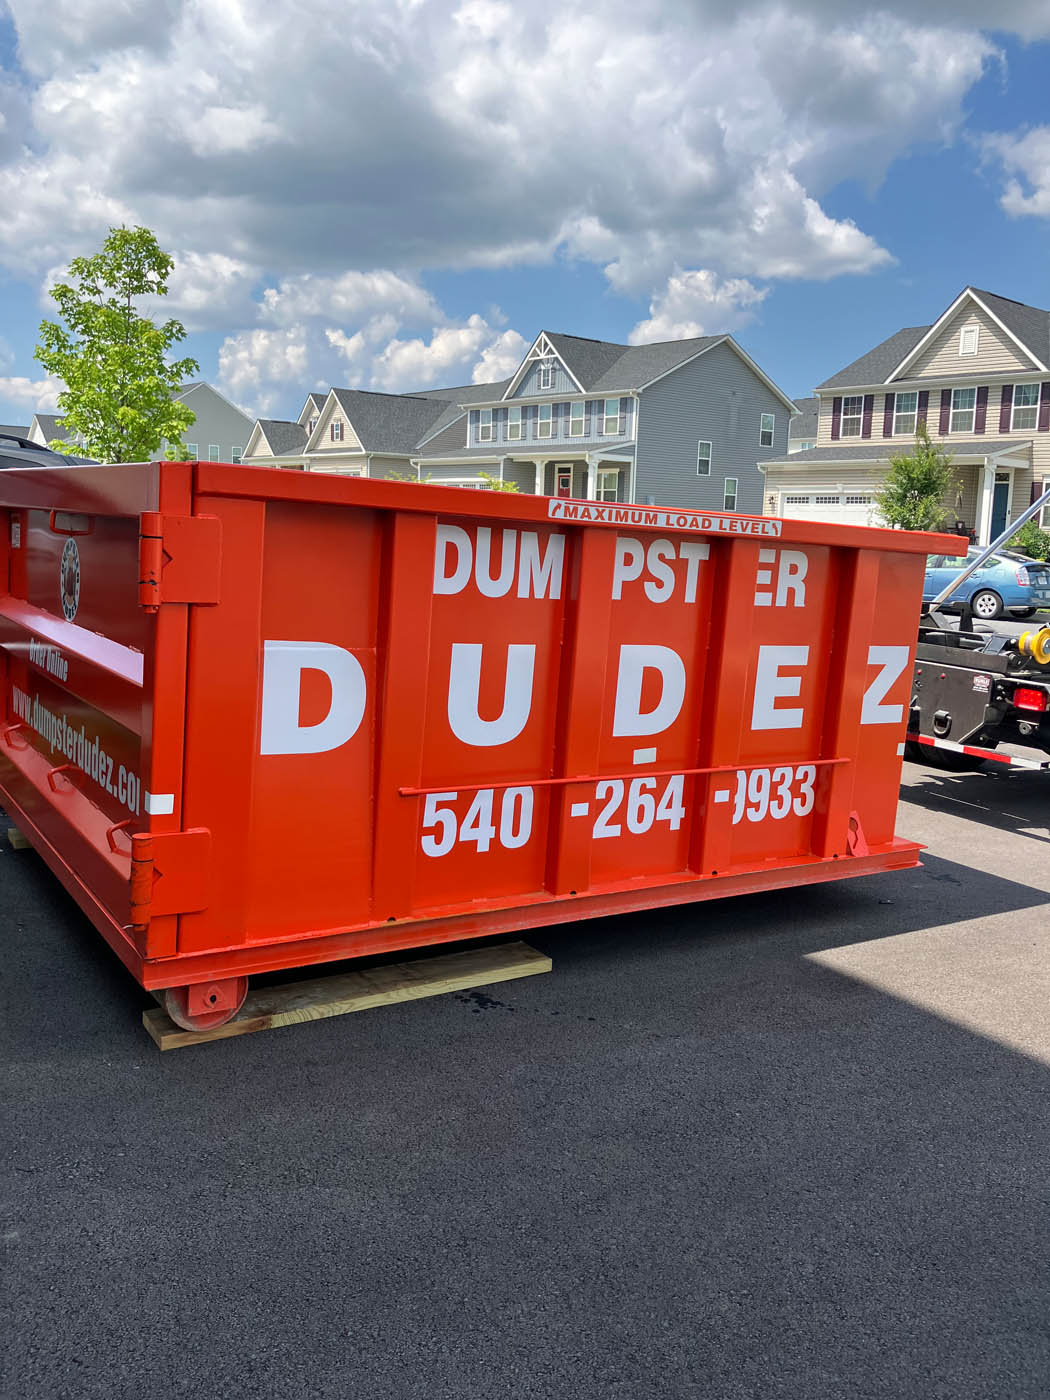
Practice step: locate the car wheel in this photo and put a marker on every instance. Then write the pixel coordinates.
(986, 605)
(1024, 612)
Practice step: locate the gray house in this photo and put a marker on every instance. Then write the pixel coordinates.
(681, 422)
(684, 422)
(220, 430)
(218, 434)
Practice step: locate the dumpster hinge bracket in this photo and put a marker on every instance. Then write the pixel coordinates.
(180, 559)
(170, 873)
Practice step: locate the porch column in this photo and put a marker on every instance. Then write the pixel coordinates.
(985, 497)
(592, 479)
(539, 476)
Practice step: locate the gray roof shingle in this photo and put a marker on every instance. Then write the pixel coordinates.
(883, 451)
(282, 436)
(388, 422)
(11, 430)
(1029, 324)
(804, 424)
(878, 364)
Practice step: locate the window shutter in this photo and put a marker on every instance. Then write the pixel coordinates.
(924, 405)
(868, 410)
(1006, 402)
(1044, 408)
(980, 409)
(887, 415)
(1038, 487)
(946, 409)
(836, 419)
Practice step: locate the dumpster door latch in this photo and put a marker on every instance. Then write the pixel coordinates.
(180, 559)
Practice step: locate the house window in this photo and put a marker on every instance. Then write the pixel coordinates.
(703, 459)
(336, 430)
(608, 485)
(796, 500)
(485, 425)
(805, 446)
(968, 339)
(729, 494)
(826, 500)
(858, 500)
(576, 420)
(1026, 407)
(236, 453)
(543, 426)
(852, 413)
(765, 429)
(213, 451)
(545, 374)
(611, 417)
(514, 425)
(963, 401)
(905, 408)
(191, 448)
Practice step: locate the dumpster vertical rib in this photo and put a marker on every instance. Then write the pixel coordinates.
(858, 581)
(401, 707)
(581, 706)
(728, 661)
(163, 712)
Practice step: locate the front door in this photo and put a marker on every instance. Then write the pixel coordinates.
(563, 486)
(1000, 504)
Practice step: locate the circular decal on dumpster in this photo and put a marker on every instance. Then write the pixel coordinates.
(69, 584)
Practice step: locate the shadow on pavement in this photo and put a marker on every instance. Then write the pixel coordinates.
(691, 1163)
(1008, 799)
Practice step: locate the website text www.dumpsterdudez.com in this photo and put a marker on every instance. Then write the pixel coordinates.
(79, 747)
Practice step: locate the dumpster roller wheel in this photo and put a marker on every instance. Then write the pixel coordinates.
(204, 1005)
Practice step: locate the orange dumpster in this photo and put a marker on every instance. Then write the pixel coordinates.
(257, 719)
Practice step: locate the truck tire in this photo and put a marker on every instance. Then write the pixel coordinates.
(986, 604)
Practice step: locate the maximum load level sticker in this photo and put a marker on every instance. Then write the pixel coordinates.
(594, 513)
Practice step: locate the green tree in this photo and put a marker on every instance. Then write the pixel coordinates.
(494, 483)
(912, 496)
(1032, 540)
(114, 361)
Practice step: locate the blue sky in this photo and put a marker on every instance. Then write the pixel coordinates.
(406, 200)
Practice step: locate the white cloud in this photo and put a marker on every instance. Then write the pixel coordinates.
(349, 154)
(1025, 157)
(31, 395)
(258, 367)
(210, 290)
(452, 351)
(697, 303)
(458, 135)
(348, 296)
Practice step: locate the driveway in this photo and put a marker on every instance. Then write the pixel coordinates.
(792, 1145)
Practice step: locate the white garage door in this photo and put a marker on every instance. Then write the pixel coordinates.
(834, 508)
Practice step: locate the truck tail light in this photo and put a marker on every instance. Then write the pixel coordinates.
(1027, 698)
(1022, 576)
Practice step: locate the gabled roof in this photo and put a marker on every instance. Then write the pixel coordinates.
(51, 425)
(1027, 326)
(388, 422)
(877, 365)
(281, 436)
(587, 360)
(804, 424)
(452, 398)
(10, 430)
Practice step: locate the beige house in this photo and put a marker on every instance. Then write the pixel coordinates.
(979, 377)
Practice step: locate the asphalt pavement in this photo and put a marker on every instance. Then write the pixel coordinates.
(790, 1145)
